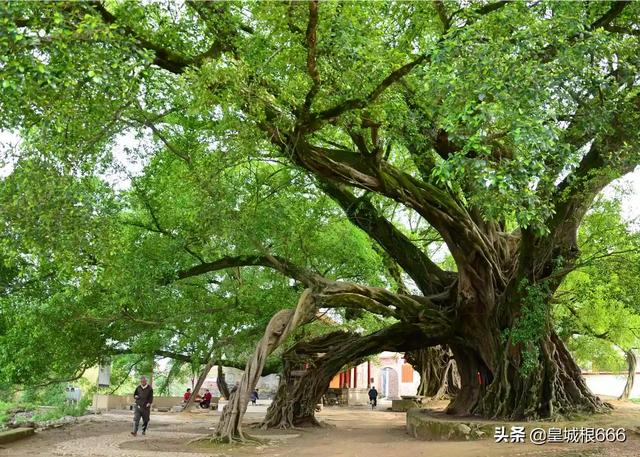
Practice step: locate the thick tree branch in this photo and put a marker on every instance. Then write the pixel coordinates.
(427, 275)
(164, 58)
(358, 103)
(612, 154)
(410, 308)
(213, 14)
(622, 30)
(548, 53)
(277, 263)
(491, 7)
(442, 14)
(312, 66)
(614, 11)
(441, 210)
(573, 196)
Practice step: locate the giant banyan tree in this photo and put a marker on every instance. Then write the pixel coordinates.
(494, 123)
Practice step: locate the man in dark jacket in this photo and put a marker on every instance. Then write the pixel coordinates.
(254, 397)
(143, 397)
(373, 396)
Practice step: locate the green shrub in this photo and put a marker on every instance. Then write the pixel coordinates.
(53, 396)
(4, 414)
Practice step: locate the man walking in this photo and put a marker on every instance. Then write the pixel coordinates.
(373, 397)
(254, 397)
(143, 397)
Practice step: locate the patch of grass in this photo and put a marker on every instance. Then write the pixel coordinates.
(61, 411)
(57, 412)
(635, 400)
(44, 404)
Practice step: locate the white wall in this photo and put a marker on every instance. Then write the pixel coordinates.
(611, 384)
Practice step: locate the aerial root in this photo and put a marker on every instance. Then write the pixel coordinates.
(242, 439)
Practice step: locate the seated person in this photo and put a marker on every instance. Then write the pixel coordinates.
(206, 399)
(187, 396)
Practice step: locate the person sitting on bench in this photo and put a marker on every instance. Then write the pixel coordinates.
(206, 399)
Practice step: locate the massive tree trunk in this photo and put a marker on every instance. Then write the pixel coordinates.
(549, 384)
(552, 384)
(631, 374)
(324, 357)
(438, 373)
(513, 365)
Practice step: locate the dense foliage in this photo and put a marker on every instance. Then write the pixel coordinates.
(599, 303)
(256, 127)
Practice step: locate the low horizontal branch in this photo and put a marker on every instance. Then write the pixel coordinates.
(280, 264)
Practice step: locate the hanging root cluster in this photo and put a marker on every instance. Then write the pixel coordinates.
(281, 325)
(439, 378)
(308, 369)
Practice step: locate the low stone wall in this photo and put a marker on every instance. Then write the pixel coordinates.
(357, 397)
(404, 405)
(166, 402)
(15, 434)
(425, 425)
(107, 402)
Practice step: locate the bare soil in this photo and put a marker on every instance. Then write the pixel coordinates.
(348, 432)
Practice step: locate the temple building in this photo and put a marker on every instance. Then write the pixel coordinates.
(388, 372)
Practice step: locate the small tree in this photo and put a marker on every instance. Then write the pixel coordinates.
(598, 305)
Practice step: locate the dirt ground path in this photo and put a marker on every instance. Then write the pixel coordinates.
(349, 432)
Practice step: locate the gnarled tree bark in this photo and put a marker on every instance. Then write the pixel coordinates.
(439, 378)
